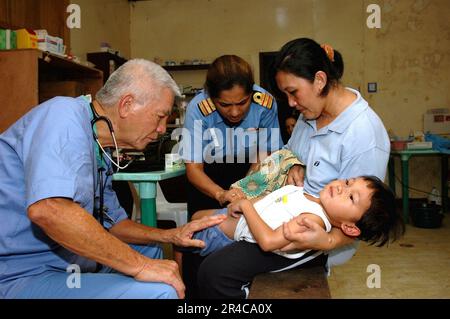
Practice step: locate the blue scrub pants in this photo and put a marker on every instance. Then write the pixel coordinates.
(106, 284)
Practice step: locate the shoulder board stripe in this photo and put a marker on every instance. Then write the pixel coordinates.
(263, 99)
(270, 102)
(206, 106)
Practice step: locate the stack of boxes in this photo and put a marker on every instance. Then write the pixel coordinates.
(26, 39)
(49, 43)
(8, 39)
(29, 39)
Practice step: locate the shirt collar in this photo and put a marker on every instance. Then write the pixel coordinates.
(340, 124)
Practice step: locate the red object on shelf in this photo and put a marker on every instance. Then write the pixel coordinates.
(398, 145)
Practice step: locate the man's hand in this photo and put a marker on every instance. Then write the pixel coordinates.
(160, 270)
(296, 175)
(182, 236)
(306, 234)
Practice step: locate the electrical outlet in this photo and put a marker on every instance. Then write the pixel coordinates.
(372, 87)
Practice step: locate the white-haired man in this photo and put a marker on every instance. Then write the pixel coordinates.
(55, 167)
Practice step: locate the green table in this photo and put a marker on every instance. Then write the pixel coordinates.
(405, 155)
(145, 183)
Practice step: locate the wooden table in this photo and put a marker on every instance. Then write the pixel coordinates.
(405, 156)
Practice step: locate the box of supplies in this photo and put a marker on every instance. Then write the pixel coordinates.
(8, 39)
(49, 43)
(437, 121)
(26, 39)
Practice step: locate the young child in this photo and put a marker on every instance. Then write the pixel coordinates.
(362, 207)
(290, 122)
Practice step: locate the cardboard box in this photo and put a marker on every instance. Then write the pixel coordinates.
(8, 39)
(49, 43)
(437, 121)
(26, 39)
(48, 90)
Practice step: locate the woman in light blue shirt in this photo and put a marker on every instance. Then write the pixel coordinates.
(338, 136)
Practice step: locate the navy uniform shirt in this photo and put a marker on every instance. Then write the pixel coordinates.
(207, 138)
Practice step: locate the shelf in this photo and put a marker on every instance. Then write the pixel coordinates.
(102, 62)
(60, 64)
(186, 67)
(30, 76)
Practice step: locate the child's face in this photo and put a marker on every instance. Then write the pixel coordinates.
(346, 200)
(290, 124)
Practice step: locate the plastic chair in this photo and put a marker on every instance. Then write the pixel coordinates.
(165, 210)
(176, 212)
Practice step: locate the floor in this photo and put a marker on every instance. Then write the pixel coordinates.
(417, 266)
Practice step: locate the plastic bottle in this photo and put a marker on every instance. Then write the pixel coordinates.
(434, 197)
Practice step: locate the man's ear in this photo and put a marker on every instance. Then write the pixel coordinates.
(350, 230)
(125, 105)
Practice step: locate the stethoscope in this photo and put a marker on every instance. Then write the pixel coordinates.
(99, 213)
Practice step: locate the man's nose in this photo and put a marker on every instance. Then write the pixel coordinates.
(162, 127)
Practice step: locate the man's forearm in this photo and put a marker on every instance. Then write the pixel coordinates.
(134, 233)
(72, 227)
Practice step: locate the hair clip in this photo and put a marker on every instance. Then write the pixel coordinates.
(329, 51)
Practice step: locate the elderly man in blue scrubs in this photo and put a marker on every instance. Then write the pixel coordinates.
(63, 233)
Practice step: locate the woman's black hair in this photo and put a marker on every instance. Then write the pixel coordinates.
(227, 71)
(382, 222)
(305, 57)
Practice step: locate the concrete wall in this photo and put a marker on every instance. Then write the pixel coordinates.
(102, 21)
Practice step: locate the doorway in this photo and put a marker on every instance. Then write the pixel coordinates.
(267, 80)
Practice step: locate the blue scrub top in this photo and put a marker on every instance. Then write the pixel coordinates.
(207, 138)
(355, 143)
(49, 152)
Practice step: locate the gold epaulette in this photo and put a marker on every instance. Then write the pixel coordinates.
(206, 106)
(263, 99)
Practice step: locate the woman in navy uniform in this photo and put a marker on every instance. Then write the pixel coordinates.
(228, 126)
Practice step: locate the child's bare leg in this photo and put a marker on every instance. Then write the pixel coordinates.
(228, 226)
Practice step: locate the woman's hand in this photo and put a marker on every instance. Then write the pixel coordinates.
(306, 234)
(296, 175)
(235, 208)
(229, 196)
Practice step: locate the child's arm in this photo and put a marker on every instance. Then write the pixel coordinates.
(267, 238)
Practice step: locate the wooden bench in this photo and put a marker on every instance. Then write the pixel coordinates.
(300, 283)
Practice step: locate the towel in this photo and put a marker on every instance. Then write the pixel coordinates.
(269, 175)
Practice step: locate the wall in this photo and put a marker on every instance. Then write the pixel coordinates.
(177, 30)
(409, 58)
(102, 21)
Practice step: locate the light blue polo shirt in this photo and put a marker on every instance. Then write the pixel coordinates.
(49, 152)
(207, 138)
(355, 143)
